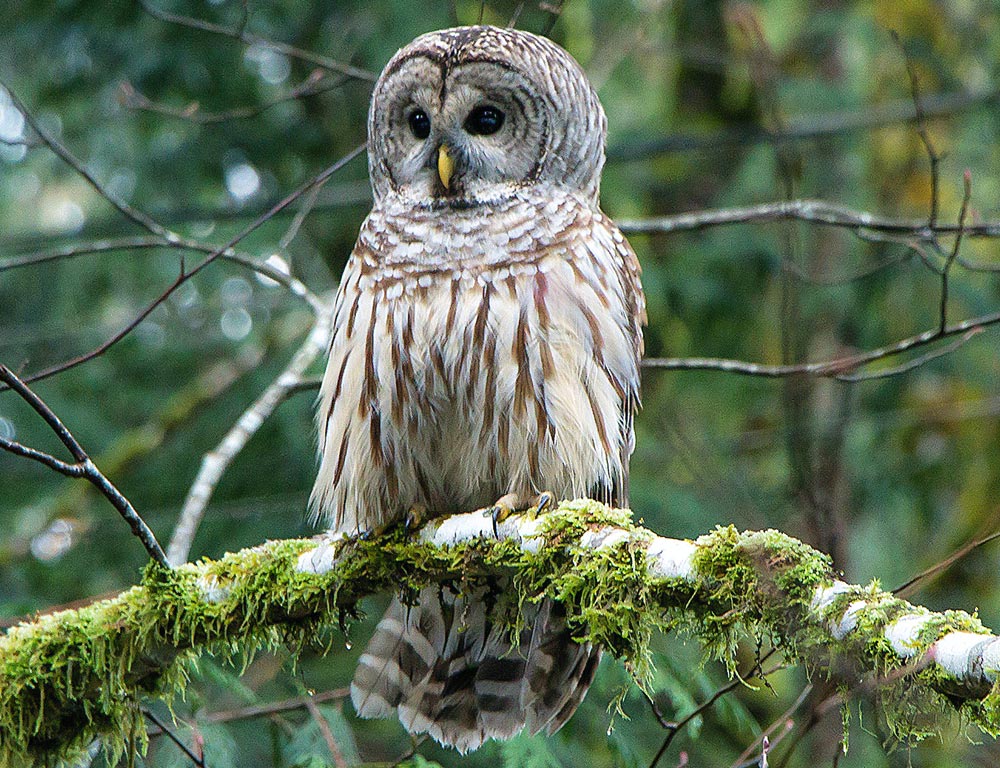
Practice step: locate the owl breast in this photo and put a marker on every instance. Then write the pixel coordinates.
(477, 354)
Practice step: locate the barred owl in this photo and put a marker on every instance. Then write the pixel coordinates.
(485, 354)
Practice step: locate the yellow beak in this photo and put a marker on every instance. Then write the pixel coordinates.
(446, 166)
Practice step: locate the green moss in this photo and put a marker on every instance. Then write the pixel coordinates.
(69, 677)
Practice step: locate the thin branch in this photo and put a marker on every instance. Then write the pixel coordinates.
(916, 362)
(512, 24)
(307, 207)
(248, 38)
(812, 126)
(966, 195)
(316, 83)
(199, 761)
(808, 210)
(744, 760)
(144, 243)
(135, 215)
(908, 586)
(215, 463)
(675, 727)
(186, 275)
(555, 11)
(271, 708)
(933, 158)
(835, 369)
(83, 467)
(324, 729)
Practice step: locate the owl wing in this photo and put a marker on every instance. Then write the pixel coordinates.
(348, 419)
(607, 307)
(635, 319)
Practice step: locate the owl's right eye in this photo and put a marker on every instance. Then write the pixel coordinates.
(420, 124)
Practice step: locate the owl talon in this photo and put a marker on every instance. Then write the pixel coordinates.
(499, 513)
(542, 503)
(416, 516)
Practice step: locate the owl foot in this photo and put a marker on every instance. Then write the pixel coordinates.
(416, 516)
(542, 502)
(510, 503)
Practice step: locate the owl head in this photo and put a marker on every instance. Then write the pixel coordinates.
(475, 114)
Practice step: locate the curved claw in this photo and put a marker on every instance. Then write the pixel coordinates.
(499, 513)
(507, 505)
(543, 502)
(416, 516)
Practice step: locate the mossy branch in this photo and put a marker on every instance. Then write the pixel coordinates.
(68, 677)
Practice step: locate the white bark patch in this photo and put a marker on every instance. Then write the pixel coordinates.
(670, 558)
(902, 634)
(603, 538)
(323, 557)
(960, 653)
(529, 532)
(991, 660)
(825, 596)
(459, 528)
(849, 621)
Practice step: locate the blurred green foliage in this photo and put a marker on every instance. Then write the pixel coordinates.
(890, 475)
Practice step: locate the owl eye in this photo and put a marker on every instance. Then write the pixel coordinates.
(484, 120)
(420, 124)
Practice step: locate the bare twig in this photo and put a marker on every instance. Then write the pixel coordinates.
(813, 126)
(186, 275)
(82, 467)
(215, 463)
(966, 194)
(199, 761)
(316, 83)
(784, 720)
(285, 705)
(137, 216)
(555, 11)
(144, 243)
(908, 586)
(248, 38)
(827, 369)
(933, 158)
(512, 24)
(675, 727)
(916, 362)
(812, 211)
(324, 729)
(307, 207)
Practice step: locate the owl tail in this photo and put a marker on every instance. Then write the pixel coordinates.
(448, 671)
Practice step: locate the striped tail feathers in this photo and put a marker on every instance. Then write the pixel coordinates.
(448, 671)
(406, 645)
(559, 671)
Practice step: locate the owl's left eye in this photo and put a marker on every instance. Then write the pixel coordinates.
(420, 123)
(484, 120)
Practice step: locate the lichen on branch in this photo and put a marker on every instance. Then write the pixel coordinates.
(68, 677)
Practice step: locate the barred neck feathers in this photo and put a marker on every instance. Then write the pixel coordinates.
(400, 239)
